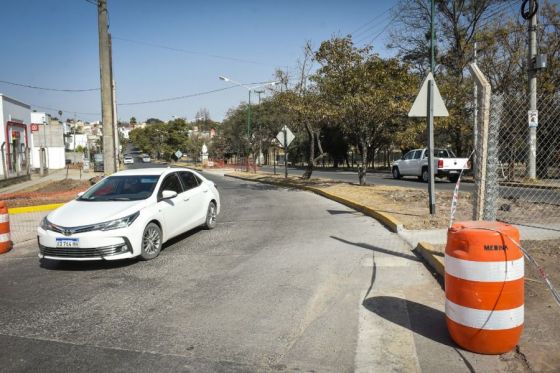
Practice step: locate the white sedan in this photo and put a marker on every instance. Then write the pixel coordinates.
(128, 214)
(128, 159)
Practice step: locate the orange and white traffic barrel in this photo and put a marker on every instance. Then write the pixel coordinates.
(484, 286)
(5, 238)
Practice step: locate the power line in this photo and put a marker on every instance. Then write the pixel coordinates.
(63, 110)
(181, 50)
(175, 98)
(355, 32)
(49, 89)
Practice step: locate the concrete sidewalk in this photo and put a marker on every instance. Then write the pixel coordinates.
(54, 175)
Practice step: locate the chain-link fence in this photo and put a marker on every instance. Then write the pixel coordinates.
(513, 194)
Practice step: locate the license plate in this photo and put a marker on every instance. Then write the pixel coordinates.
(67, 242)
(453, 172)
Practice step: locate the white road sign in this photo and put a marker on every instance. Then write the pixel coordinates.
(420, 105)
(289, 136)
(178, 154)
(533, 118)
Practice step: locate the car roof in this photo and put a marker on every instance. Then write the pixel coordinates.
(150, 171)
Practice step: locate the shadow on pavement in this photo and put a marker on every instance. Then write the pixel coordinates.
(378, 249)
(418, 318)
(341, 212)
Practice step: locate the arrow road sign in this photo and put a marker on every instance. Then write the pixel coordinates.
(289, 136)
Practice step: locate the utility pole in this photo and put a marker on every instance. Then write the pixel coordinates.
(430, 112)
(114, 106)
(105, 77)
(285, 152)
(532, 75)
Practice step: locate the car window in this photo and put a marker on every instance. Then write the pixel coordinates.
(409, 155)
(417, 154)
(122, 188)
(189, 180)
(171, 182)
(441, 153)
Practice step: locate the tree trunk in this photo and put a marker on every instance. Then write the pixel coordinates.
(311, 160)
(362, 170)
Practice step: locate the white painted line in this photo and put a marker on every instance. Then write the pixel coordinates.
(384, 346)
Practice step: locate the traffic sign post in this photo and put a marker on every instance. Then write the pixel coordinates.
(285, 137)
(429, 104)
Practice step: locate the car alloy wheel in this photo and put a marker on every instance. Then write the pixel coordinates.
(396, 173)
(151, 242)
(211, 216)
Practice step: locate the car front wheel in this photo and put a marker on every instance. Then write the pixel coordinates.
(211, 216)
(396, 173)
(151, 242)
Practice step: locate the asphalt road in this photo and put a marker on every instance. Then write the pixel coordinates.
(383, 178)
(287, 281)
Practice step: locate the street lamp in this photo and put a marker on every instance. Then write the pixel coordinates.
(250, 89)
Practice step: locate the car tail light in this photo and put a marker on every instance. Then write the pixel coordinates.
(440, 163)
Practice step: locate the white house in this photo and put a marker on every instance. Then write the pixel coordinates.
(48, 139)
(15, 117)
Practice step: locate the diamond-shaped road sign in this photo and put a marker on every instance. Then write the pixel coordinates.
(420, 105)
(289, 136)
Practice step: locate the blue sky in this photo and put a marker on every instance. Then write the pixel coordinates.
(54, 44)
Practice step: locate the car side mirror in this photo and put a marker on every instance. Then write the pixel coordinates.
(168, 194)
(81, 194)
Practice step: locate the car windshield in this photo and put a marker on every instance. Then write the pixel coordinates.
(122, 188)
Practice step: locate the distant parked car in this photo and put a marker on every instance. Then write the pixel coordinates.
(98, 166)
(128, 159)
(415, 163)
(146, 158)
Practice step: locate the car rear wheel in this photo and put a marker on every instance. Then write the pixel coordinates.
(396, 173)
(211, 216)
(425, 174)
(151, 242)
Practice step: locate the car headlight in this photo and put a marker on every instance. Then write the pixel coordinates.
(118, 223)
(47, 225)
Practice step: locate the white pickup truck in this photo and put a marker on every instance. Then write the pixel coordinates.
(415, 163)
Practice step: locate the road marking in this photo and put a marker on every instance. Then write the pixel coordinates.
(384, 346)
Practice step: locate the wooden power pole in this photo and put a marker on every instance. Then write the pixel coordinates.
(106, 89)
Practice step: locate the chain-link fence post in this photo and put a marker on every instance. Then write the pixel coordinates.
(481, 153)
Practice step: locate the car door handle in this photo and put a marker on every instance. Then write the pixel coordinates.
(205, 191)
(186, 199)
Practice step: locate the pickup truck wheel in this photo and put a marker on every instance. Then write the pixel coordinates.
(425, 174)
(396, 173)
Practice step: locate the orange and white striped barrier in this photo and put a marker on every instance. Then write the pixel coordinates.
(5, 238)
(484, 286)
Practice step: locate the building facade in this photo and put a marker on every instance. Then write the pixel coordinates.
(15, 119)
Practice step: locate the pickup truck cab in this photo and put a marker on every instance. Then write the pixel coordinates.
(415, 163)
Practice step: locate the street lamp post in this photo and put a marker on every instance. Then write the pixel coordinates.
(249, 89)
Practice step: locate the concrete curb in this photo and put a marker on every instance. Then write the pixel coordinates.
(27, 209)
(387, 220)
(435, 259)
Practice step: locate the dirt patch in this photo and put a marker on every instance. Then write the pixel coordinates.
(60, 191)
(539, 342)
(408, 205)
